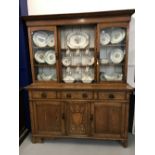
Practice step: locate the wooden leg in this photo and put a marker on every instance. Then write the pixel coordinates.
(124, 143)
(36, 140)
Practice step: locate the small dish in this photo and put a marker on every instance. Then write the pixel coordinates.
(68, 79)
(87, 79)
(39, 56)
(104, 61)
(66, 61)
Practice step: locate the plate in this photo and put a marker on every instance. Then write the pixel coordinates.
(116, 55)
(66, 61)
(39, 56)
(117, 35)
(77, 40)
(40, 38)
(104, 61)
(50, 57)
(90, 61)
(50, 40)
(104, 38)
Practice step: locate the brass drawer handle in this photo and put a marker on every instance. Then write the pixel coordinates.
(111, 96)
(85, 95)
(44, 95)
(68, 95)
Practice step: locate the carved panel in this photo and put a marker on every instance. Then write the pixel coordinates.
(49, 116)
(77, 118)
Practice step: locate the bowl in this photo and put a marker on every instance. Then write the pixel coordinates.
(104, 61)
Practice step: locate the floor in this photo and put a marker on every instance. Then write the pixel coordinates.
(77, 147)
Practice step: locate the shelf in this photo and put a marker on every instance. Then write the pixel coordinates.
(43, 48)
(90, 48)
(112, 64)
(44, 65)
(114, 45)
(79, 65)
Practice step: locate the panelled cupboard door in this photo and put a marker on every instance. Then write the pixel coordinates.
(78, 118)
(43, 53)
(49, 117)
(108, 120)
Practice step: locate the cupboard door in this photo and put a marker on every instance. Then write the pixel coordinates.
(113, 49)
(49, 117)
(108, 120)
(43, 53)
(78, 118)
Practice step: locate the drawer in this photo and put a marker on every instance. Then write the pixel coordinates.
(112, 95)
(44, 94)
(76, 95)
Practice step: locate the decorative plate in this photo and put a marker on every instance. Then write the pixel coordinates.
(40, 38)
(116, 55)
(104, 38)
(39, 56)
(117, 35)
(66, 61)
(77, 40)
(50, 40)
(50, 57)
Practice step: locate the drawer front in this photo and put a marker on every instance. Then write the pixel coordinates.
(44, 94)
(76, 95)
(112, 95)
